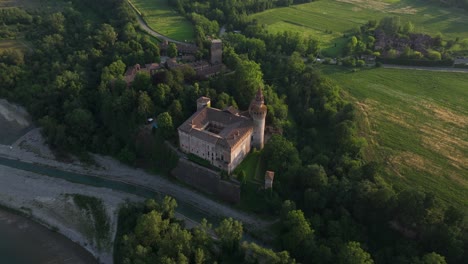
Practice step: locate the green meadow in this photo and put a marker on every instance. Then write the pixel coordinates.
(163, 19)
(328, 20)
(416, 123)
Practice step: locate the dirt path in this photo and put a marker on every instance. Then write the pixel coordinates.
(436, 69)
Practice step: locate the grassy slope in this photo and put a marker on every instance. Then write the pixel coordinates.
(341, 16)
(163, 19)
(416, 122)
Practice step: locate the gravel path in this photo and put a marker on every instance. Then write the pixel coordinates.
(31, 148)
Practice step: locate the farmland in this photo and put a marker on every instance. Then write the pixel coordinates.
(328, 20)
(416, 123)
(163, 19)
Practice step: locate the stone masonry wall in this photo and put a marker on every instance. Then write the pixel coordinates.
(206, 180)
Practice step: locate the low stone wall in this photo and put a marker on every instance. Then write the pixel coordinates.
(206, 180)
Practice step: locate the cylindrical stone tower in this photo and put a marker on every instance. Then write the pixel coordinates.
(258, 111)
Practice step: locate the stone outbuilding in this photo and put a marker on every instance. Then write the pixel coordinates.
(269, 176)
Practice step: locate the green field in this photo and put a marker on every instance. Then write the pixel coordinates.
(416, 123)
(163, 19)
(328, 20)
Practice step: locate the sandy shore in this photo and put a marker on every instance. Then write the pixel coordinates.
(46, 200)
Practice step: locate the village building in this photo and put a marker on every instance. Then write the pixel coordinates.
(223, 137)
(132, 71)
(203, 69)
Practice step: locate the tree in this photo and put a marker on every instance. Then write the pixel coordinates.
(296, 231)
(391, 25)
(105, 36)
(165, 125)
(256, 254)
(81, 124)
(230, 234)
(247, 79)
(149, 228)
(433, 258)
(172, 50)
(280, 154)
(352, 253)
(168, 207)
(145, 106)
(408, 27)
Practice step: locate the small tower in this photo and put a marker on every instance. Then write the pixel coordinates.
(216, 52)
(258, 111)
(203, 102)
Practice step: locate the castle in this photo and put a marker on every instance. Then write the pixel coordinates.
(224, 137)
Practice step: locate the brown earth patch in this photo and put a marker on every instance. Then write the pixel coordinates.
(447, 115)
(448, 145)
(413, 160)
(399, 118)
(404, 10)
(369, 4)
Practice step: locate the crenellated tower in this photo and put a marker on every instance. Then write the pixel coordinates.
(258, 111)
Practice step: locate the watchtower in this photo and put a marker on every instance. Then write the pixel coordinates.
(258, 111)
(216, 52)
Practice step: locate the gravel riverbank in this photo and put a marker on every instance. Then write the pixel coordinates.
(47, 200)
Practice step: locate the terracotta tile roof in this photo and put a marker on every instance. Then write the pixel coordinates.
(232, 127)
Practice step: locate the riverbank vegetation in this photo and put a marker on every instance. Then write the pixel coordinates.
(150, 233)
(97, 215)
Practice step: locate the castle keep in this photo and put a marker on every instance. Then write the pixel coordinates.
(223, 137)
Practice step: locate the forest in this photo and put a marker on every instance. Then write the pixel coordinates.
(331, 205)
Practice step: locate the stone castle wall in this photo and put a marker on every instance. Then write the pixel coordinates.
(206, 180)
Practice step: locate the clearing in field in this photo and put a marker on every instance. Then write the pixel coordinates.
(163, 19)
(416, 123)
(328, 20)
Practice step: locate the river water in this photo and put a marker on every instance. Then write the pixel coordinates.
(23, 241)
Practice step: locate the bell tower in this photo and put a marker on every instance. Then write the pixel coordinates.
(258, 111)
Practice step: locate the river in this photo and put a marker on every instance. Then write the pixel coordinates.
(23, 241)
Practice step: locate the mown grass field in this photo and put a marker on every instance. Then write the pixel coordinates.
(416, 123)
(328, 20)
(163, 19)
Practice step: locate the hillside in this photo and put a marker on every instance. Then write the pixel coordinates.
(328, 20)
(416, 123)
